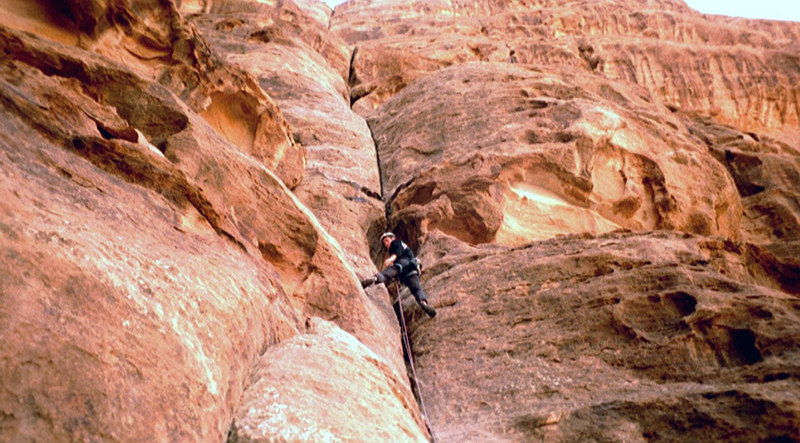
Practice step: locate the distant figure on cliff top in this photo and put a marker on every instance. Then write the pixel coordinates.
(512, 57)
(401, 263)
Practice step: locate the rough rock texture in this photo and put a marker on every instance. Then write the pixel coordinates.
(123, 313)
(189, 192)
(153, 40)
(147, 260)
(330, 372)
(621, 337)
(608, 120)
(287, 47)
(767, 175)
(506, 153)
(744, 72)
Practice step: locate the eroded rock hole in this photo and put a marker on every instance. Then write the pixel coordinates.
(565, 137)
(125, 133)
(538, 104)
(684, 303)
(267, 35)
(532, 137)
(743, 346)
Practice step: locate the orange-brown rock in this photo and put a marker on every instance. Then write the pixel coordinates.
(315, 387)
(604, 195)
(117, 319)
(743, 72)
(607, 116)
(303, 67)
(149, 260)
(620, 337)
(152, 39)
(767, 175)
(495, 152)
(286, 46)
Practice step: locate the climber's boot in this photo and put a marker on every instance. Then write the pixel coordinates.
(428, 308)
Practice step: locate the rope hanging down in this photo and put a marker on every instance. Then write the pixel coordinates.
(407, 347)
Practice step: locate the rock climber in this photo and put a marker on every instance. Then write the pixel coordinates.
(401, 263)
(512, 57)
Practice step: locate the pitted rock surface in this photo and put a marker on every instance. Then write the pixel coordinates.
(619, 337)
(604, 196)
(744, 72)
(150, 260)
(495, 152)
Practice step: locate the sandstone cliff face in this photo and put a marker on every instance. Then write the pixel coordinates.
(152, 250)
(620, 337)
(190, 190)
(497, 152)
(499, 123)
(303, 68)
(154, 41)
(744, 72)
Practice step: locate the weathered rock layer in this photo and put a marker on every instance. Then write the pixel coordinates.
(502, 123)
(151, 247)
(498, 152)
(604, 194)
(744, 72)
(620, 337)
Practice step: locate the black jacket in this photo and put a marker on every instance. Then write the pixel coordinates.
(405, 256)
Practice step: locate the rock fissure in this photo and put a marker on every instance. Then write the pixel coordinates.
(384, 200)
(409, 353)
(605, 197)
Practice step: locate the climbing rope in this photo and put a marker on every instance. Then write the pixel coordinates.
(407, 347)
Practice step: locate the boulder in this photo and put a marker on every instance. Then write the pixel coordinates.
(303, 390)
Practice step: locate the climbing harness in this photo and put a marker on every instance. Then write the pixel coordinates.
(414, 265)
(407, 347)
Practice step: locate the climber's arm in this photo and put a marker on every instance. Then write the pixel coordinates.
(389, 261)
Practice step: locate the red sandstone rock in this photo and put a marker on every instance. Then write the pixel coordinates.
(508, 154)
(152, 260)
(618, 337)
(161, 281)
(154, 41)
(303, 67)
(318, 387)
(622, 336)
(743, 72)
(117, 319)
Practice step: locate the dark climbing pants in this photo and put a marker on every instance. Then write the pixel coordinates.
(410, 280)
